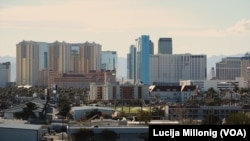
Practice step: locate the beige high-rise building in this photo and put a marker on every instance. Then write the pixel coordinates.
(228, 68)
(245, 64)
(77, 58)
(31, 58)
(59, 57)
(34, 59)
(91, 54)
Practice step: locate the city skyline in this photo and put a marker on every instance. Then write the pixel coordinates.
(196, 27)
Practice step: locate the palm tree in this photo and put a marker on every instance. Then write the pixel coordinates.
(27, 112)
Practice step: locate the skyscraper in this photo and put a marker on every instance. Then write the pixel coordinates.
(131, 63)
(109, 60)
(143, 45)
(165, 46)
(75, 57)
(245, 64)
(4, 73)
(167, 68)
(34, 59)
(228, 68)
(138, 59)
(151, 46)
(59, 57)
(31, 58)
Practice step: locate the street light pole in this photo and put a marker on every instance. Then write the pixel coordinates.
(62, 129)
(67, 132)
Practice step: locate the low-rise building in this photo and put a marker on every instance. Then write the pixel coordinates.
(179, 112)
(125, 91)
(216, 84)
(81, 80)
(173, 94)
(13, 131)
(80, 113)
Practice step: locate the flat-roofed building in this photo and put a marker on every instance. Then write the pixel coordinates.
(81, 80)
(13, 131)
(228, 68)
(175, 112)
(165, 46)
(173, 68)
(204, 85)
(80, 113)
(173, 94)
(125, 91)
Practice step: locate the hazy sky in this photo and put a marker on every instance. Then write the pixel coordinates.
(212, 27)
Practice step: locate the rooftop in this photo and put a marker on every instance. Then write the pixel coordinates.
(15, 125)
(91, 107)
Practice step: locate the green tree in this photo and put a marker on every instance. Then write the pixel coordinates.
(179, 113)
(27, 112)
(64, 106)
(84, 134)
(238, 118)
(212, 97)
(211, 120)
(144, 116)
(108, 135)
(158, 112)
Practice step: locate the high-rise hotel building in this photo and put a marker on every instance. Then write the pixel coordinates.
(138, 59)
(34, 59)
(75, 57)
(31, 58)
(245, 69)
(131, 63)
(165, 46)
(109, 60)
(168, 68)
(228, 68)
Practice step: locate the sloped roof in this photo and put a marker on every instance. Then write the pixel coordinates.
(167, 88)
(173, 88)
(189, 88)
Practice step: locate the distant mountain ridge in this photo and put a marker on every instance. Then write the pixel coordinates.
(122, 64)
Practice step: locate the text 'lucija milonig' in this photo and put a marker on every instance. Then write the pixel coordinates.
(185, 132)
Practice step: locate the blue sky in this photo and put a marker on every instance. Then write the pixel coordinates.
(212, 27)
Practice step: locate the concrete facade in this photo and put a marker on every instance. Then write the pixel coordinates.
(81, 80)
(199, 112)
(118, 91)
(173, 68)
(172, 94)
(33, 58)
(165, 46)
(20, 132)
(228, 68)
